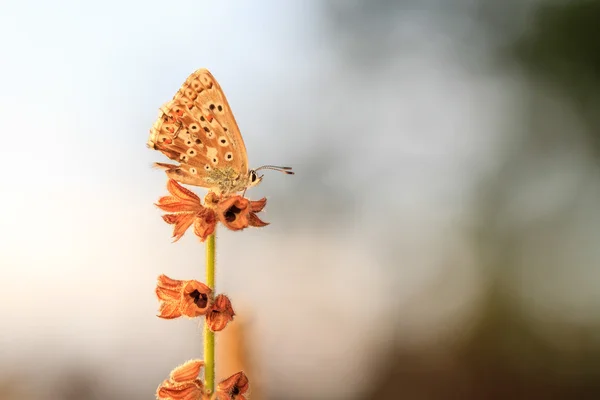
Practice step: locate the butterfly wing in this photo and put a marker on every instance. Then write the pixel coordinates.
(204, 97)
(198, 129)
(177, 135)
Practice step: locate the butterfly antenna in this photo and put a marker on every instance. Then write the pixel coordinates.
(286, 170)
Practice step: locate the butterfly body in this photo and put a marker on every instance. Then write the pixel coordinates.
(198, 130)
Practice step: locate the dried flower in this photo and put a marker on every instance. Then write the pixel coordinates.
(189, 298)
(187, 210)
(183, 383)
(235, 212)
(220, 313)
(233, 388)
(205, 223)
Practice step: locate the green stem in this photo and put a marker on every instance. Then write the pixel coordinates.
(209, 336)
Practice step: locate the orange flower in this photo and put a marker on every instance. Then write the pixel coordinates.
(233, 388)
(205, 224)
(235, 212)
(189, 298)
(220, 313)
(187, 210)
(183, 383)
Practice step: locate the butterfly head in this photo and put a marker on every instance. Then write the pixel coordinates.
(254, 179)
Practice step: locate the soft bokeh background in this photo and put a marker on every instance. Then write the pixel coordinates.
(440, 238)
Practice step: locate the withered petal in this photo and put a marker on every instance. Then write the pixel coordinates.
(238, 201)
(186, 391)
(253, 220)
(168, 289)
(182, 223)
(170, 283)
(169, 310)
(205, 223)
(219, 313)
(258, 205)
(220, 395)
(171, 218)
(222, 303)
(188, 371)
(180, 192)
(173, 204)
(233, 387)
(237, 212)
(167, 294)
(192, 285)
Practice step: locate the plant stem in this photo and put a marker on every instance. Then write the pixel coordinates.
(209, 336)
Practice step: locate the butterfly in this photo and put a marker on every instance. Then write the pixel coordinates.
(197, 129)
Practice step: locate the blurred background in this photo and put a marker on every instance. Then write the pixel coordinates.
(438, 241)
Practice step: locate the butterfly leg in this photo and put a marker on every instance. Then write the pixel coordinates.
(178, 129)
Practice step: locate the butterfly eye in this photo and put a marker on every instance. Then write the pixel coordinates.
(252, 176)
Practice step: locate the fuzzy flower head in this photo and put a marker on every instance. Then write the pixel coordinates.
(233, 388)
(185, 209)
(188, 298)
(184, 384)
(220, 313)
(193, 299)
